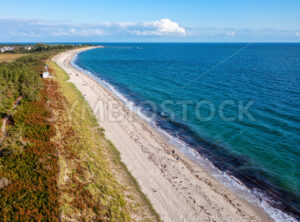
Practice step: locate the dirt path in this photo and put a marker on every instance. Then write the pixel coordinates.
(4, 121)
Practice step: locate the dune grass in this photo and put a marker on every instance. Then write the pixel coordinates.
(90, 166)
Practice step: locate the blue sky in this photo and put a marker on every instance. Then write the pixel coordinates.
(152, 20)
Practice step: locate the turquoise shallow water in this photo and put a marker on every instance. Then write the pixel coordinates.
(186, 86)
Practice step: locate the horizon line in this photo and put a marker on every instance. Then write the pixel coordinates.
(105, 42)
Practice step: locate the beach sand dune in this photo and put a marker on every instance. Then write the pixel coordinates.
(178, 189)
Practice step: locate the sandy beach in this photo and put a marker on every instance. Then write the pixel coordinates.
(178, 188)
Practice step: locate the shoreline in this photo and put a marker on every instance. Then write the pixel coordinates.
(170, 184)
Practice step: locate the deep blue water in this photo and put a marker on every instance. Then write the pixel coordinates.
(261, 147)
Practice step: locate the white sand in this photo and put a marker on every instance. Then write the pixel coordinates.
(179, 190)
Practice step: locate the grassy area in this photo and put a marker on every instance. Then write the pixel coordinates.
(54, 159)
(94, 183)
(6, 57)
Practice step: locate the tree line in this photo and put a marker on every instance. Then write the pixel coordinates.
(19, 78)
(38, 47)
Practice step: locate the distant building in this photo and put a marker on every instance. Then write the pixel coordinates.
(28, 48)
(6, 49)
(46, 75)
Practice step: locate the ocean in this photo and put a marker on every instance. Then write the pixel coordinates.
(232, 107)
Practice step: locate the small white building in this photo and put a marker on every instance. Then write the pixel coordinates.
(46, 75)
(6, 48)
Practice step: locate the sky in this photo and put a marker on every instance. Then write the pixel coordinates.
(150, 21)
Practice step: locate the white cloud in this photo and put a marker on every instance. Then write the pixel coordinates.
(126, 24)
(164, 27)
(232, 34)
(90, 32)
(46, 29)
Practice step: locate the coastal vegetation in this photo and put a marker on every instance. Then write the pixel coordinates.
(28, 160)
(55, 162)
